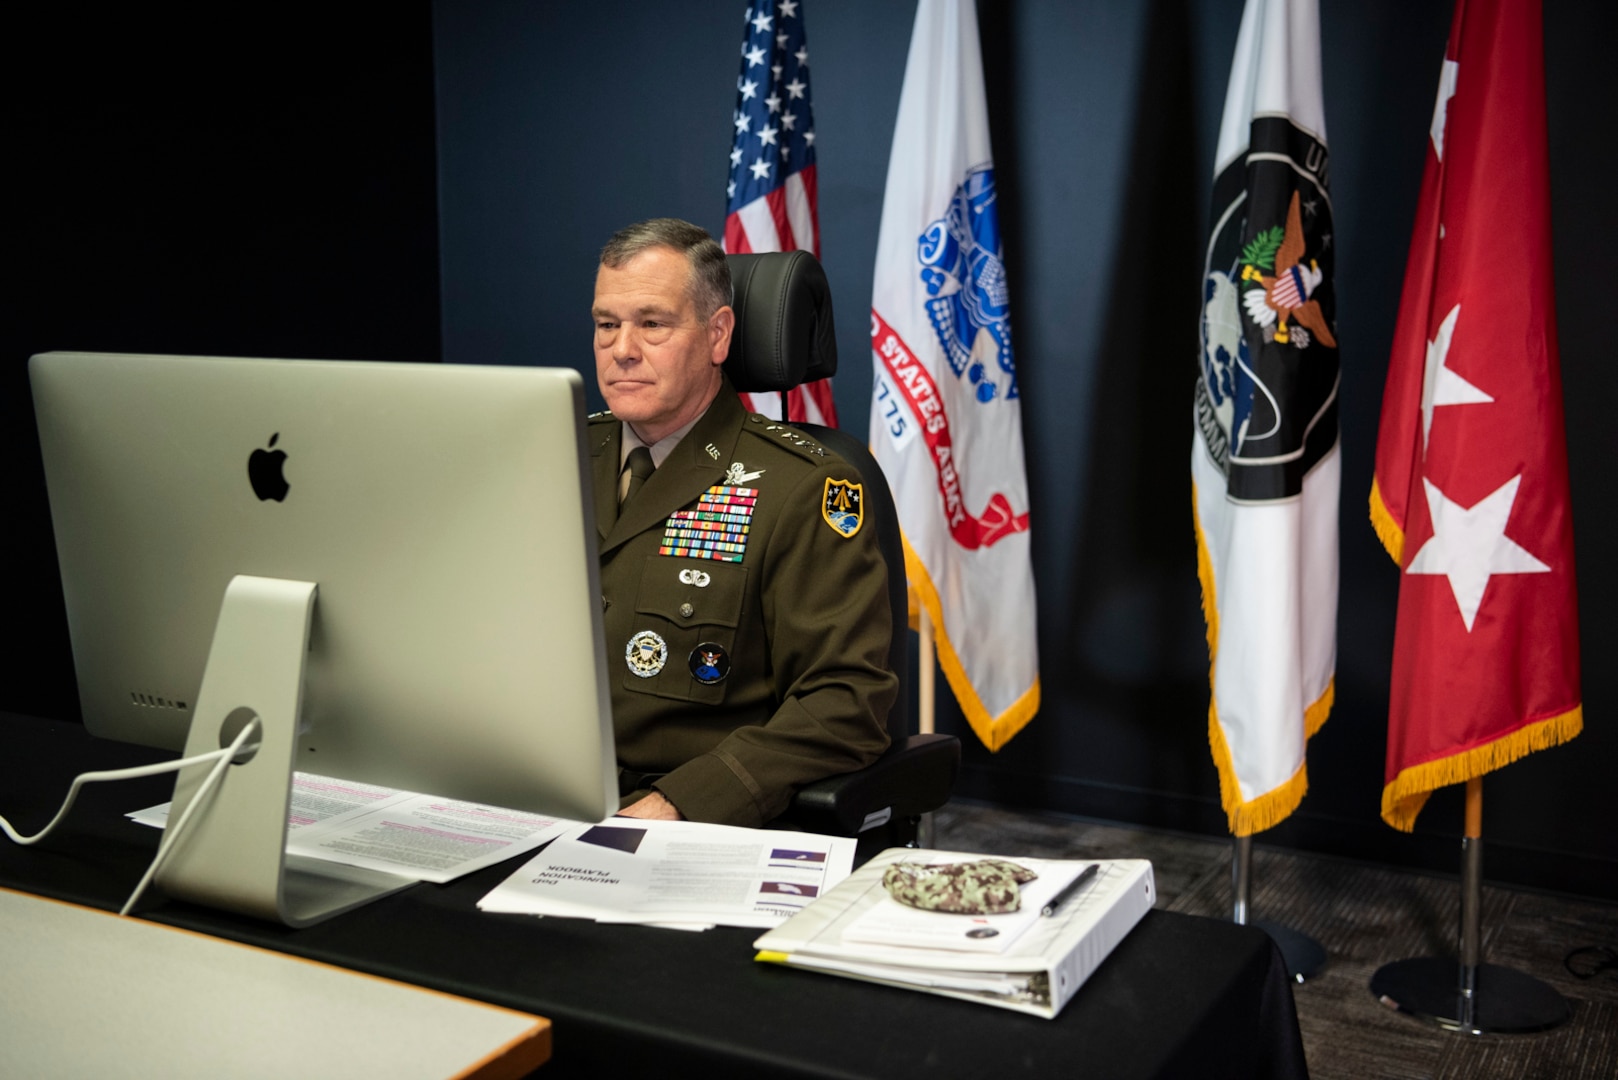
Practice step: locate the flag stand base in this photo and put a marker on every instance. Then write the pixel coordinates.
(1303, 955)
(1500, 1000)
(1467, 994)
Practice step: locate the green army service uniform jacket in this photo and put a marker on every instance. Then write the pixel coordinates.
(796, 630)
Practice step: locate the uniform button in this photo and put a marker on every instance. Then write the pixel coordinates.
(686, 611)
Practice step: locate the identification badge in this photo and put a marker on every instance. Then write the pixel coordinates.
(646, 653)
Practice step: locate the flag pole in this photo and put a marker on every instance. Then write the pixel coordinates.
(925, 682)
(1468, 995)
(926, 700)
(1304, 956)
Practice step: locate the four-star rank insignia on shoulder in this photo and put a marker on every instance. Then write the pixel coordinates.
(844, 506)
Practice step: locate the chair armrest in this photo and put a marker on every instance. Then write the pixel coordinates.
(914, 776)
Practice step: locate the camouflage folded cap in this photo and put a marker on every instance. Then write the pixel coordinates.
(980, 887)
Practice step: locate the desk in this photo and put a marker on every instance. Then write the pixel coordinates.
(85, 993)
(1182, 996)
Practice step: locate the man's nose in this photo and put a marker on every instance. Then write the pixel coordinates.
(625, 345)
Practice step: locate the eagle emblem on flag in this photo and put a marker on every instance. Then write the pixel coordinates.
(1266, 399)
(1285, 292)
(969, 303)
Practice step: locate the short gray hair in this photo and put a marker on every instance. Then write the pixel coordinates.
(710, 275)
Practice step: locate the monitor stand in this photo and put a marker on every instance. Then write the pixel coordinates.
(232, 854)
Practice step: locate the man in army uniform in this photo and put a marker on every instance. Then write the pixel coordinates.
(747, 620)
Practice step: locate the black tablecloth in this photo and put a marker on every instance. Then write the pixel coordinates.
(1181, 996)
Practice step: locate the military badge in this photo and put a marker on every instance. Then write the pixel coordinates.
(844, 506)
(709, 663)
(737, 474)
(646, 653)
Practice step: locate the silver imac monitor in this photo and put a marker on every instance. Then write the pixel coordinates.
(391, 566)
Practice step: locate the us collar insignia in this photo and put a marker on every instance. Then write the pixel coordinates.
(737, 474)
(844, 506)
(716, 529)
(646, 653)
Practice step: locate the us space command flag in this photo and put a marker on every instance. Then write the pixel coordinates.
(770, 198)
(946, 422)
(1471, 490)
(1265, 459)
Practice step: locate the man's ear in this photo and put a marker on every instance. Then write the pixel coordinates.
(720, 325)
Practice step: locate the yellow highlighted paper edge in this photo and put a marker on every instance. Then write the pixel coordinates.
(1269, 809)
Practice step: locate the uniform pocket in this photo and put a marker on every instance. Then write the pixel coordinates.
(683, 604)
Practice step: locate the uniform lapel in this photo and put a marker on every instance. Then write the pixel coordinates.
(687, 472)
(604, 454)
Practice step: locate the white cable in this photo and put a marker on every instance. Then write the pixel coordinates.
(173, 830)
(133, 773)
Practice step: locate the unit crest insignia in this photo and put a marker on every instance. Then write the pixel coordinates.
(709, 663)
(844, 506)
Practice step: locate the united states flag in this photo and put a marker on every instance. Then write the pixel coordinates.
(771, 203)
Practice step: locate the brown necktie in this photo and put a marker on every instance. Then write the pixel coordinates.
(639, 467)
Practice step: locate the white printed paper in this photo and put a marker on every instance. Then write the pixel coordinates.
(417, 836)
(675, 873)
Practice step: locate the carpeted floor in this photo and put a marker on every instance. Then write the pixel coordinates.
(1364, 916)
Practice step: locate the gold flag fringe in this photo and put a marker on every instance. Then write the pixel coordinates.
(1387, 530)
(1273, 806)
(993, 731)
(1403, 798)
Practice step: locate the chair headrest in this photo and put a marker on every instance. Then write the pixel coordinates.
(784, 333)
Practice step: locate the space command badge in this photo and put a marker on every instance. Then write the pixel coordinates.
(844, 507)
(710, 663)
(646, 653)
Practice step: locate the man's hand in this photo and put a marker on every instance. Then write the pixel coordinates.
(655, 807)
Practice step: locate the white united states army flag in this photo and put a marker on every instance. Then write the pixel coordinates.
(1265, 457)
(946, 422)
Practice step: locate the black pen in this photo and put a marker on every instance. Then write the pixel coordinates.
(1072, 887)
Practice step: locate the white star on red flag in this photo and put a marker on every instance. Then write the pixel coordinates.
(1469, 545)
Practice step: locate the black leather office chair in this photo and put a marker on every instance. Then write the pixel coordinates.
(784, 337)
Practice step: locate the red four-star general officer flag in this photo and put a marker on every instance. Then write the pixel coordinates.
(770, 198)
(1471, 494)
(1265, 455)
(946, 421)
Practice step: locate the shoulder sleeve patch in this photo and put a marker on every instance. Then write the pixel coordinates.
(843, 506)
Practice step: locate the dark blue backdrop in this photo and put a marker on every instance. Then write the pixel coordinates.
(558, 124)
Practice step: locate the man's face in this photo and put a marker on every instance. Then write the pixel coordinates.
(657, 363)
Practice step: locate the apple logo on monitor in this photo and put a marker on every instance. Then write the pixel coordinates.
(264, 472)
